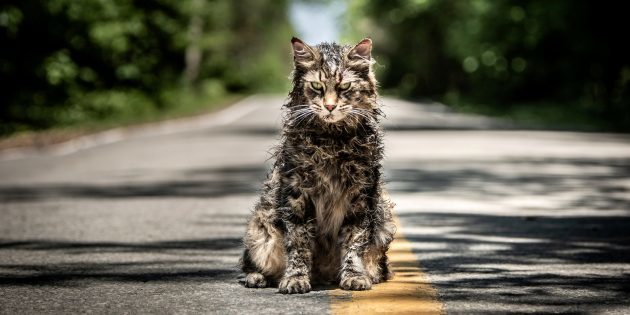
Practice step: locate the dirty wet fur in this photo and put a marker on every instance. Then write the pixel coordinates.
(322, 216)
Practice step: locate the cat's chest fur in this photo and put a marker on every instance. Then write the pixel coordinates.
(335, 170)
(331, 200)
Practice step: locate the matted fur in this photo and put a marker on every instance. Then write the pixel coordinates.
(322, 216)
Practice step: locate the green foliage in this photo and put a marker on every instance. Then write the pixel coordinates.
(503, 53)
(65, 61)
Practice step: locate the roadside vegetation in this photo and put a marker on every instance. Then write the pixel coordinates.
(545, 64)
(93, 64)
(79, 66)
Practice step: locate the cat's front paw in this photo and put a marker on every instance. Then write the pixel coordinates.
(356, 283)
(294, 284)
(255, 280)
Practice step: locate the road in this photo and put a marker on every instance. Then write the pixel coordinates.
(500, 221)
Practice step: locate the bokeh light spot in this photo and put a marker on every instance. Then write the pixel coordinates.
(470, 64)
(519, 64)
(488, 58)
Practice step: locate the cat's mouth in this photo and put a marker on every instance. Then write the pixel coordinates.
(331, 118)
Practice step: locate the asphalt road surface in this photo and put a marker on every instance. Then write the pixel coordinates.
(150, 221)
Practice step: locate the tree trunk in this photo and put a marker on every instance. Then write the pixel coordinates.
(194, 54)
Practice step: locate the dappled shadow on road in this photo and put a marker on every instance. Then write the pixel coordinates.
(176, 261)
(202, 183)
(91, 273)
(558, 184)
(523, 261)
(75, 262)
(122, 247)
(520, 235)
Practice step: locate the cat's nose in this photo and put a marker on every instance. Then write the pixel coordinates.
(330, 107)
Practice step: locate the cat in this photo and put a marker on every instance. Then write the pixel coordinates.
(322, 216)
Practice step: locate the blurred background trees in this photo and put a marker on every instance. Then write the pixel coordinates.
(67, 61)
(562, 63)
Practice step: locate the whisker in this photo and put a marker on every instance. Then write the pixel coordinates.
(299, 111)
(366, 113)
(298, 117)
(305, 117)
(361, 114)
(302, 116)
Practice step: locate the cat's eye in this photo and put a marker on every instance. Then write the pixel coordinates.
(344, 86)
(317, 86)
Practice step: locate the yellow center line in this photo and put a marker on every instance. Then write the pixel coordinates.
(409, 292)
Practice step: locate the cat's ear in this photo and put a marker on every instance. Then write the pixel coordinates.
(302, 53)
(363, 50)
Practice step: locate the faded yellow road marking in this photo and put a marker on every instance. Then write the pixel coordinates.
(409, 292)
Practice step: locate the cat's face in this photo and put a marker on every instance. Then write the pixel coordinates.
(333, 83)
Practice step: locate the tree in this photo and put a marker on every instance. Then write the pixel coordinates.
(504, 53)
(66, 61)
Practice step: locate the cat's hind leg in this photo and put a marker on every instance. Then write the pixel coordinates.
(375, 260)
(364, 256)
(376, 265)
(353, 274)
(253, 278)
(264, 259)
